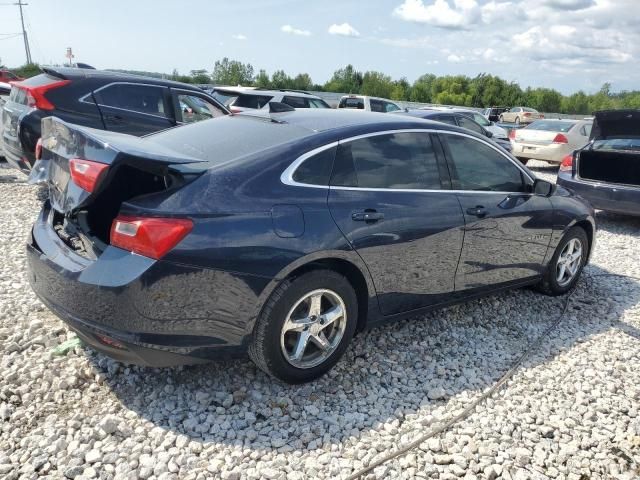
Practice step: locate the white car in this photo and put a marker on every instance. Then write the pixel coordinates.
(550, 140)
(258, 99)
(368, 104)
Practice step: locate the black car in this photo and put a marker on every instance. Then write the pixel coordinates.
(606, 172)
(459, 119)
(98, 99)
(284, 235)
(493, 113)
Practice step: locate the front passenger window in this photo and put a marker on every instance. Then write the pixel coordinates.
(479, 167)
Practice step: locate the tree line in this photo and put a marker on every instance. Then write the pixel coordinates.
(484, 90)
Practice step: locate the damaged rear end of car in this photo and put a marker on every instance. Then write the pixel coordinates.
(606, 172)
(99, 256)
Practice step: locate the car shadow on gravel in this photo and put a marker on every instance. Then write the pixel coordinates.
(390, 374)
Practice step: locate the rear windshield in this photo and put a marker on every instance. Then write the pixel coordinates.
(19, 95)
(227, 138)
(624, 144)
(525, 109)
(247, 100)
(352, 103)
(224, 97)
(551, 126)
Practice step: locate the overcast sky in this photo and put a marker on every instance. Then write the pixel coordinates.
(563, 44)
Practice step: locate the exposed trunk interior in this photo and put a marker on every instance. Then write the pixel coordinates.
(610, 166)
(87, 230)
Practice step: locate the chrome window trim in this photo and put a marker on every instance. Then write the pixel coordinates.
(82, 99)
(287, 176)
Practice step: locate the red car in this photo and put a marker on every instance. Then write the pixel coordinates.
(6, 76)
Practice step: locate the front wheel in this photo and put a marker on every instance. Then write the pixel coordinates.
(517, 120)
(567, 263)
(305, 326)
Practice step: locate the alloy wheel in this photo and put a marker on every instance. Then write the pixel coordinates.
(313, 328)
(569, 262)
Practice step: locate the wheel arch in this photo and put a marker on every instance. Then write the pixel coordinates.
(347, 264)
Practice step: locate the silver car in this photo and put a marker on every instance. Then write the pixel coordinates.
(550, 140)
(259, 99)
(368, 104)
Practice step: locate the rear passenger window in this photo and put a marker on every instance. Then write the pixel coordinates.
(355, 102)
(393, 161)
(469, 124)
(377, 106)
(316, 170)
(147, 99)
(296, 102)
(251, 101)
(481, 168)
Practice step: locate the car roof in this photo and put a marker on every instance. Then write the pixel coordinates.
(85, 73)
(323, 120)
(291, 93)
(367, 96)
(420, 113)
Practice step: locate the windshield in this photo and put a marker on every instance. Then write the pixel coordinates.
(481, 120)
(551, 126)
(525, 109)
(625, 144)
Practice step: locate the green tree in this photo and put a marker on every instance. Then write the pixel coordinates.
(345, 80)
(401, 90)
(27, 70)
(262, 80)
(302, 81)
(376, 84)
(280, 80)
(200, 76)
(232, 72)
(421, 89)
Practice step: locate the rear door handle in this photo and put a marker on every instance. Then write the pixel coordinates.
(479, 211)
(367, 216)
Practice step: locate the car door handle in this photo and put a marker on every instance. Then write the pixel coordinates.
(479, 211)
(367, 216)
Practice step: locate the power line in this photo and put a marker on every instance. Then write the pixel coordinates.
(27, 51)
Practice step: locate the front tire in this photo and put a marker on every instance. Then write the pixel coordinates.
(305, 326)
(517, 121)
(566, 265)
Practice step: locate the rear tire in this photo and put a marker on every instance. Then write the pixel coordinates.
(300, 333)
(566, 265)
(517, 122)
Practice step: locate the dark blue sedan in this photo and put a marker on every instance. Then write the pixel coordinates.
(284, 236)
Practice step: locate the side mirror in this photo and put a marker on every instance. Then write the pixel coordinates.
(543, 188)
(488, 134)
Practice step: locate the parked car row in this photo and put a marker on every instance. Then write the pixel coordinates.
(243, 99)
(282, 233)
(98, 99)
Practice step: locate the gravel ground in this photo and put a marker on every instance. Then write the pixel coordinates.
(570, 412)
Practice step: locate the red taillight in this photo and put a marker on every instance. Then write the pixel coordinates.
(38, 151)
(527, 114)
(560, 138)
(86, 174)
(149, 236)
(512, 134)
(234, 110)
(541, 116)
(567, 163)
(35, 94)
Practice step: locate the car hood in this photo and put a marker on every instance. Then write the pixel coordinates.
(498, 132)
(615, 123)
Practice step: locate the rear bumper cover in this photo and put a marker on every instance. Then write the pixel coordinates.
(604, 196)
(160, 313)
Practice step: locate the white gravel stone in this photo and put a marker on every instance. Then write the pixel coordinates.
(570, 412)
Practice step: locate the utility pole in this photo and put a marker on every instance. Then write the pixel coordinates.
(24, 33)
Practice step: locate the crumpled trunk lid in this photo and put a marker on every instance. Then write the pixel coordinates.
(62, 141)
